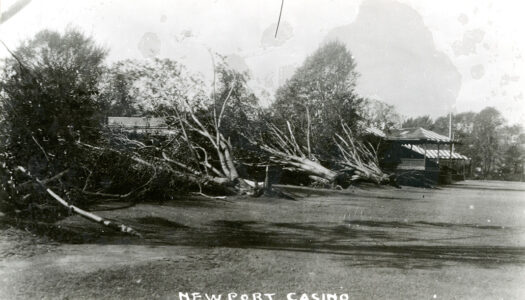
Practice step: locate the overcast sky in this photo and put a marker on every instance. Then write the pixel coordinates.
(425, 57)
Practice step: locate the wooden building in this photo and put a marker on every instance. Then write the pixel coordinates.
(141, 125)
(418, 152)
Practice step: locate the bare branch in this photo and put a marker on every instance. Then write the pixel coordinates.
(41, 148)
(224, 104)
(88, 215)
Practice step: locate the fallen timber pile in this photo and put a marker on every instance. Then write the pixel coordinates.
(358, 162)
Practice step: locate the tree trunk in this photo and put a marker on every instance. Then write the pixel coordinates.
(85, 214)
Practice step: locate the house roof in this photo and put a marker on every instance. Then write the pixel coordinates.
(418, 135)
(443, 154)
(412, 136)
(156, 126)
(137, 122)
(375, 131)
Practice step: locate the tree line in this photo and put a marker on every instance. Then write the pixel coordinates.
(496, 148)
(58, 154)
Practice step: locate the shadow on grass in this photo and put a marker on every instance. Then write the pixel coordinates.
(358, 243)
(475, 187)
(156, 221)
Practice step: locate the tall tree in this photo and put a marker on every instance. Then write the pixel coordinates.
(441, 125)
(48, 92)
(512, 139)
(241, 109)
(462, 129)
(424, 121)
(319, 96)
(149, 88)
(485, 139)
(380, 115)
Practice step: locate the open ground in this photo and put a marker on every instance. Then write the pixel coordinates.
(463, 241)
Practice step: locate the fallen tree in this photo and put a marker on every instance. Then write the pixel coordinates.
(212, 154)
(202, 171)
(357, 161)
(48, 103)
(85, 214)
(284, 150)
(359, 158)
(200, 151)
(126, 161)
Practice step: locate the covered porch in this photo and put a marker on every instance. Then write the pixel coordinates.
(427, 152)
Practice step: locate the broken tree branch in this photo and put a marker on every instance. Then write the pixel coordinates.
(85, 214)
(286, 151)
(47, 180)
(360, 157)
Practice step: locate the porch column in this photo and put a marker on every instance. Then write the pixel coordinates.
(438, 155)
(424, 157)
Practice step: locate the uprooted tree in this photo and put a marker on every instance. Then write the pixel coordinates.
(48, 102)
(316, 114)
(208, 128)
(214, 134)
(356, 162)
(359, 158)
(59, 157)
(318, 96)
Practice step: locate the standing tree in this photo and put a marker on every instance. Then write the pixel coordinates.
(424, 121)
(380, 115)
(485, 139)
(48, 91)
(315, 116)
(319, 96)
(115, 93)
(512, 139)
(441, 125)
(462, 131)
(149, 88)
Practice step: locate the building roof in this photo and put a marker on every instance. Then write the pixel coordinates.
(142, 125)
(412, 136)
(375, 131)
(443, 154)
(137, 122)
(418, 135)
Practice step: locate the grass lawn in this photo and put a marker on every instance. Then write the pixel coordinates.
(464, 241)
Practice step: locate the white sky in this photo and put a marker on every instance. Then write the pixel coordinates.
(492, 73)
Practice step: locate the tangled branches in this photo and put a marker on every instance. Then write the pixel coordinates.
(285, 150)
(359, 158)
(357, 161)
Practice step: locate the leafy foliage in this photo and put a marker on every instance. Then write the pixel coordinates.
(149, 88)
(322, 90)
(424, 122)
(496, 149)
(485, 139)
(380, 115)
(241, 108)
(49, 91)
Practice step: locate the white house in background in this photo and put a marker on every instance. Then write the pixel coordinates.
(144, 125)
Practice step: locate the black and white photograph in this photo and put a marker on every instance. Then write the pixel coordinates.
(262, 149)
